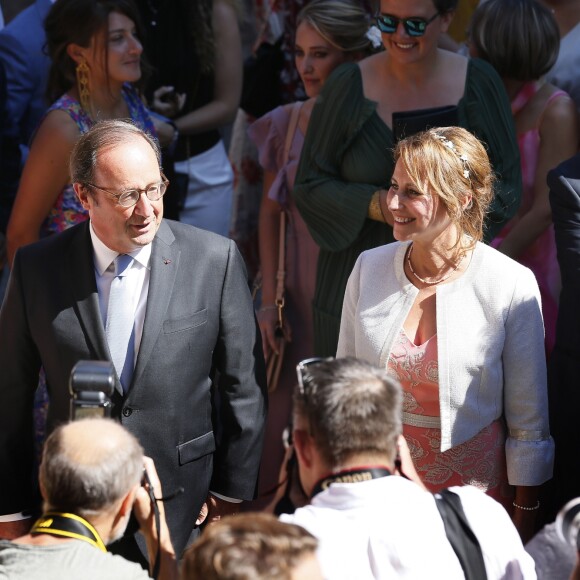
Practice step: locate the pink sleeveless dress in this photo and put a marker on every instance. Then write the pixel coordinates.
(480, 461)
(540, 256)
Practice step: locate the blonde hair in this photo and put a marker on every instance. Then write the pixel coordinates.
(452, 163)
(342, 23)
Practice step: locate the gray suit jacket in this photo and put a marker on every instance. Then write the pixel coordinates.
(199, 325)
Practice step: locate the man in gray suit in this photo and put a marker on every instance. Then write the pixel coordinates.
(195, 395)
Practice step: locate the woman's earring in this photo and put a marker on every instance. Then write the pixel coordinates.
(83, 87)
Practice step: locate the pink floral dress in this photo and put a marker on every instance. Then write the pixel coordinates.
(540, 256)
(480, 461)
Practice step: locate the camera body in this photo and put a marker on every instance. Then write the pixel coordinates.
(91, 386)
(568, 523)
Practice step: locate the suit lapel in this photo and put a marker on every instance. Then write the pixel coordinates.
(164, 264)
(81, 274)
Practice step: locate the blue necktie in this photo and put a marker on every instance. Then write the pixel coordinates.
(119, 328)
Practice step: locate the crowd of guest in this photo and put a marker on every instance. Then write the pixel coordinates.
(404, 195)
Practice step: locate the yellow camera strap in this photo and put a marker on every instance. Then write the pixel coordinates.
(68, 526)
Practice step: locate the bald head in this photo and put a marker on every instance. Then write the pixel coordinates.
(89, 465)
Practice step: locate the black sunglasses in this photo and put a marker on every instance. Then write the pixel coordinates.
(414, 26)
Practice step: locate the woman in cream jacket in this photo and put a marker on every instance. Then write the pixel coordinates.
(460, 326)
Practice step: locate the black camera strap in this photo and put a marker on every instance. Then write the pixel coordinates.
(355, 475)
(460, 535)
(68, 526)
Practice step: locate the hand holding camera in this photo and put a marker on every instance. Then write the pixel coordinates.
(143, 508)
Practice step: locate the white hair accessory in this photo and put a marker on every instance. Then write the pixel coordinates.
(450, 145)
(374, 35)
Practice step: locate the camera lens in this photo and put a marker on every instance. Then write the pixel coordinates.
(568, 522)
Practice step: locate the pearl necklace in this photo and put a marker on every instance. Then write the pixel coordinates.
(434, 281)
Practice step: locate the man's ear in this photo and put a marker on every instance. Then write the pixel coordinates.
(127, 502)
(83, 195)
(304, 447)
(42, 488)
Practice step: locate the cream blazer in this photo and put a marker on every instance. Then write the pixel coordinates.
(490, 338)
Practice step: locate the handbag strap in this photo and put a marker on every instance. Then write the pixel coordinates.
(281, 273)
(292, 125)
(460, 535)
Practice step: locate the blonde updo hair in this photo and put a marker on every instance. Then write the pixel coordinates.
(342, 23)
(452, 163)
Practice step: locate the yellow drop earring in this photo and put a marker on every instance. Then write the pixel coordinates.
(83, 86)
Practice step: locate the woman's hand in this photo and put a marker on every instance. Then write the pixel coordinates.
(168, 102)
(268, 322)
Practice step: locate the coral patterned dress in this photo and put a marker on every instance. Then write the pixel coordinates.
(480, 461)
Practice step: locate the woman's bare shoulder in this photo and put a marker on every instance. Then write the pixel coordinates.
(58, 124)
(453, 63)
(371, 64)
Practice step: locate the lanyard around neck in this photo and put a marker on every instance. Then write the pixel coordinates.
(354, 475)
(68, 526)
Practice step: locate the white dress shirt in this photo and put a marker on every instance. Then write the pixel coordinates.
(137, 277)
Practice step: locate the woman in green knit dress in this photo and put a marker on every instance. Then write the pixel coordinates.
(347, 163)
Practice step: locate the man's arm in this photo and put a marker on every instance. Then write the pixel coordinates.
(156, 540)
(239, 361)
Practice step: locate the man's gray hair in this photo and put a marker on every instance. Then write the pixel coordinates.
(103, 135)
(351, 408)
(89, 465)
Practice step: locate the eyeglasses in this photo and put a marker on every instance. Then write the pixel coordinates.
(414, 26)
(302, 368)
(130, 197)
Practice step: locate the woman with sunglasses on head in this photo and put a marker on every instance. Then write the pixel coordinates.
(346, 160)
(459, 324)
(96, 69)
(329, 32)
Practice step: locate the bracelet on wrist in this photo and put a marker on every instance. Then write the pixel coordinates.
(525, 508)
